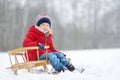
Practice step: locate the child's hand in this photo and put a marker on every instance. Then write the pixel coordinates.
(47, 30)
(41, 46)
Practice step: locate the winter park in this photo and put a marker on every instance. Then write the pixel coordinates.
(59, 40)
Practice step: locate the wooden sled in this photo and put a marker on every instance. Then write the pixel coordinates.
(18, 61)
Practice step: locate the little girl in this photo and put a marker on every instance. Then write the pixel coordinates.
(40, 35)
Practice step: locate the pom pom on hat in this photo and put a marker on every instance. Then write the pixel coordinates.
(41, 18)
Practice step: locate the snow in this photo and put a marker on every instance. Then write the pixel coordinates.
(100, 64)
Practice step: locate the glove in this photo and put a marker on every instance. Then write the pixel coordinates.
(41, 46)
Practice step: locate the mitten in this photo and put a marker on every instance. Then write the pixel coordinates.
(41, 46)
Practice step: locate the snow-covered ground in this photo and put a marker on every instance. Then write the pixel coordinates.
(101, 64)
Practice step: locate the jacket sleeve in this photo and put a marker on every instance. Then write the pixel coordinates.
(29, 40)
(52, 48)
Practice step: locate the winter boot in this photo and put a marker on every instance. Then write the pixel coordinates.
(70, 67)
(57, 72)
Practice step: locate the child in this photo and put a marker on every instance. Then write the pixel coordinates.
(40, 35)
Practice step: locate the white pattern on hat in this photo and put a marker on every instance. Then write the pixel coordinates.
(40, 16)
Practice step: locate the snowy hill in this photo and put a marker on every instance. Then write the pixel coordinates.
(102, 64)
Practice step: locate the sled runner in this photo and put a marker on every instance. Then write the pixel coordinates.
(18, 61)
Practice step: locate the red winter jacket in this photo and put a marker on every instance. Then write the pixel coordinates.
(33, 37)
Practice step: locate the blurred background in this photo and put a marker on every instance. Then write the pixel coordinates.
(77, 24)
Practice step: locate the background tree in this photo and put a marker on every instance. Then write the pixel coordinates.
(77, 24)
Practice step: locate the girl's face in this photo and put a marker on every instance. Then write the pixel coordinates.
(45, 27)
